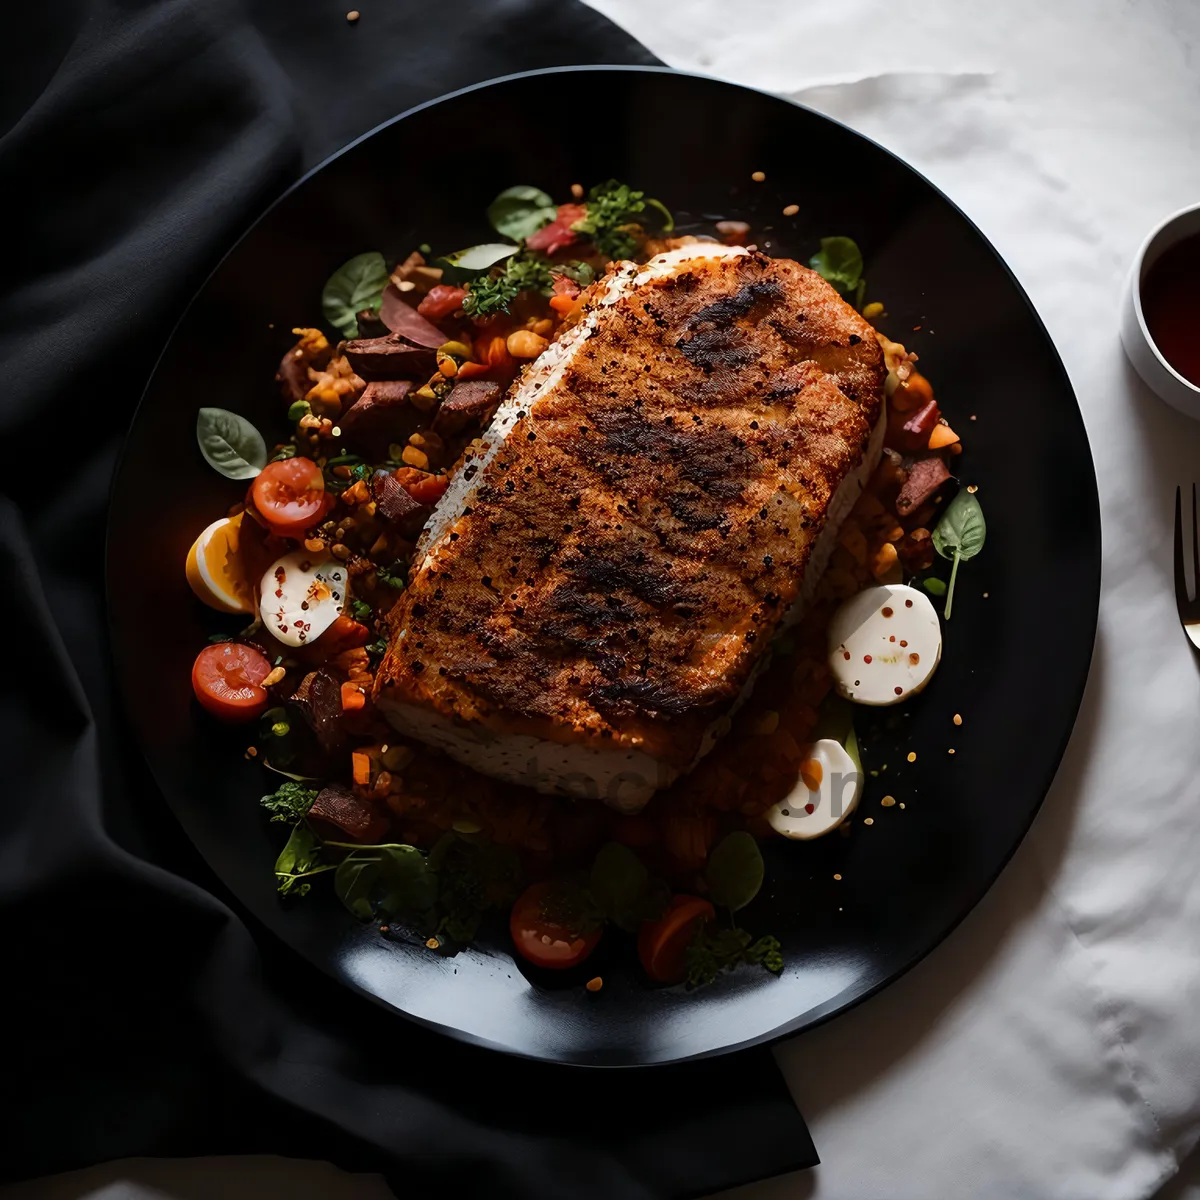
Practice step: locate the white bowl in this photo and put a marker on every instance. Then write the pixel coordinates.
(1158, 374)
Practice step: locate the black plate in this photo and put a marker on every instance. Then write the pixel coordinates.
(1016, 652)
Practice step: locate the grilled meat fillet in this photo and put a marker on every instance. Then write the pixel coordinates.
(655, 500)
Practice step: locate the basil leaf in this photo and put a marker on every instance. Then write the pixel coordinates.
(230, 444)
(961, 528)
(623, 888)
(354, 881)
(840, 262)
(409, 886)
(735, 871)
(301, 855)
(959, 535)
(354, 286)
(934, 586)
(521, 211)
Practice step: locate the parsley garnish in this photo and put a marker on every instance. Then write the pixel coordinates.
(715, 951)
(611, 220)
(494, 292)
(290, 802)
(360, 610)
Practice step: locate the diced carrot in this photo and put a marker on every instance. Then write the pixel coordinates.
(498, 355)
(352, 697)
(564, 305)
(942, 435)
(360, 760)
(473, 370)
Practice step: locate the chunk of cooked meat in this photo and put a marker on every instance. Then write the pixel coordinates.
(655, 499)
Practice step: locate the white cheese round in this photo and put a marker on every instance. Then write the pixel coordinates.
(884, 644)
(301, 596)
(809, 811)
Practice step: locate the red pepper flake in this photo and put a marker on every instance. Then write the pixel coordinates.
(914, 658)
(887, 612)
(846, 655)
(867, 658)
(908, 604)
(903, 642)
(810, 808)
(892, 638)
(899, 691)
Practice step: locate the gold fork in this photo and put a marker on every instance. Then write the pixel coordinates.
(1189, 610)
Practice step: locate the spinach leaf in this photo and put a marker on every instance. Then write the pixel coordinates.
(623, 888)
(735, 871)
(521, 211)
(959, 535)
(840, 262)
(356, 285)
(354, 882)
(299, 858)
(409, 886)
(230, 444)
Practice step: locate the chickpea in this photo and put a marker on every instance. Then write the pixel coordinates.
(524, 343)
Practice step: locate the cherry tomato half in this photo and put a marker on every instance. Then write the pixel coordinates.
(663, 944)
(542, 938)
(290, 496)
(227, 681)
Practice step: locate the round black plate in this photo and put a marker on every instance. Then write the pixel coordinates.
(1016, 652)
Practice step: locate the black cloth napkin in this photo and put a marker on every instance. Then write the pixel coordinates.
(153, 1017)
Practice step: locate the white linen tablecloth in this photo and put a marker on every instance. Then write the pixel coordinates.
(1051, 1047)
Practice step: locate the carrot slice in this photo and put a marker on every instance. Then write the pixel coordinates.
(361, 763)
(942, 435)
(663, 944)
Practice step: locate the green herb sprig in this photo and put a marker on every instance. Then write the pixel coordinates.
(959, 536)
(840, 262)
(612, 216)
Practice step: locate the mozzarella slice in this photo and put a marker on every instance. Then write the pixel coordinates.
(825, 795)
(884, 644)
(302, 595)
(215, 570)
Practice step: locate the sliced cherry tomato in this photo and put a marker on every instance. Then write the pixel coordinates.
(227, 680)
(663, 944)
(420, 485)
(440, 301)
(290, 496)
(543, 937)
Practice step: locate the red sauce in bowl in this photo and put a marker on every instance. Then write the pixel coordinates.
(1171, 306)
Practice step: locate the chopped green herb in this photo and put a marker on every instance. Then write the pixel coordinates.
(290, 801)
(360, 610)
(298, 860)
(714, 951)
(394, 576)
(935, 587)
(611, 218)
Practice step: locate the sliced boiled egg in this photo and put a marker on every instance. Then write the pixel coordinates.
(825, 795)
(302, 595)
(216, 570)
(884, 644)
